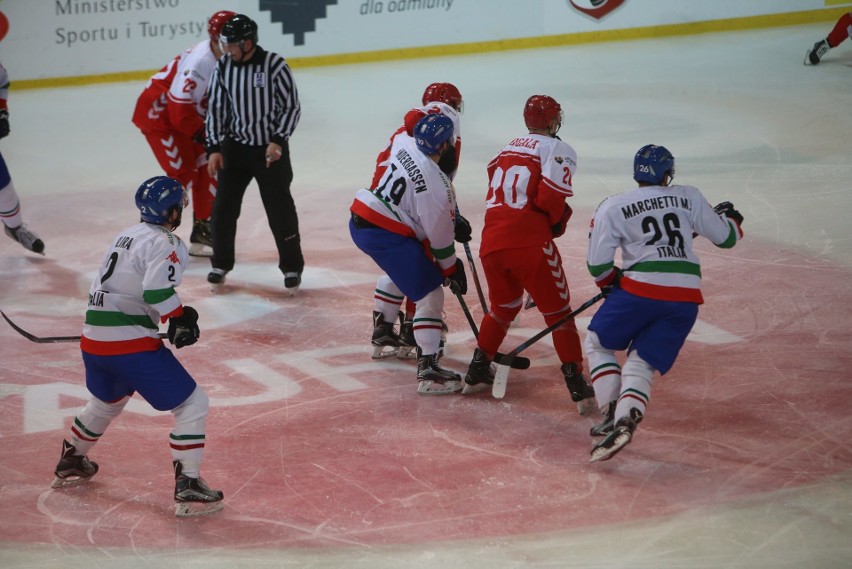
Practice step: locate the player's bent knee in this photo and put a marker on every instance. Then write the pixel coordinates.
(194, 408)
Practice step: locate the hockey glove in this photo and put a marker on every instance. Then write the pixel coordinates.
(727, 209)
(558, 228)
(457, 281)
(463, 230)
(183, 329)
(4, 123)
(612, 283)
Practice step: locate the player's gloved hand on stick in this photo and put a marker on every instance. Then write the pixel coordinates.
(463, 231)
(183, 329)
(4, 123)
(457, 281)
(558, 228)
(611, 284)
(727, 209)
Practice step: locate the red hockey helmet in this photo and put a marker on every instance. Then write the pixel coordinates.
(444, 93)
(541, 111)
(215, 23)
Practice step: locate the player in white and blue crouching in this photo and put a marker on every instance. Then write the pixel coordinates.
(123, 354)
(653, 301)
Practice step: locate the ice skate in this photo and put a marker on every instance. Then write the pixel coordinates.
(385, 340)
(216, 278)
(193, 497)
(621, 435)
(72, 469)
(407, 344)
(813, 55)
(605, 427)
(480, 373)
(26, 237)
(433, 379)
(292, 282)
(201, 239)
(581, 392)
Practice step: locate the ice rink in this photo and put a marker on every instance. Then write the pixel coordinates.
(329, 459)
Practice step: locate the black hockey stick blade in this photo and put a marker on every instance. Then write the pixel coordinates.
(516, 362)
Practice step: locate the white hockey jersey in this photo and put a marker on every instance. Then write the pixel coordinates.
(134, 291)
(654, 226)
(414, 198)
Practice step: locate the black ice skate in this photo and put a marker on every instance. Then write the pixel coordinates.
(605, 427)
(480, 373)
(292, 282)
(216, 278)
(432, 379)
(72, 469)
(193, 497)
(385, 340)
(201, 239)
(813, 55)
(581, 392)
(621, 435)
(26, 237)
(407, 344)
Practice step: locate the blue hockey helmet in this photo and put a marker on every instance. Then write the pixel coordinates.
(157, 197)
(652, 163)
(431, 132)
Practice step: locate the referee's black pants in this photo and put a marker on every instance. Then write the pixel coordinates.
(242, 164)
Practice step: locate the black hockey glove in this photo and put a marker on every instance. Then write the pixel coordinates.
(183, 329)
(558, 228)
(613, 282)
(4, 123)
(463, 231)
(727, 209)
(458, 280)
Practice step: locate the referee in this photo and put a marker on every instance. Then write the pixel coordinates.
(253, 109)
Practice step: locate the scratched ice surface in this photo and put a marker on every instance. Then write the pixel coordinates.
(330, 459)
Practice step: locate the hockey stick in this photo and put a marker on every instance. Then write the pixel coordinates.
(501, 376)
(515, 362)
(475, 278)
(49, 339)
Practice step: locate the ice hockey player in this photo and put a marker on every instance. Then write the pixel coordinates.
(170, 113)
(123, 354)
(652, 303)
(842, 29)
(525, 211)
(438, 98)
(10, 205)
(414, 205)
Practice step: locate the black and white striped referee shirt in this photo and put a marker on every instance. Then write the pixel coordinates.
(253, 102)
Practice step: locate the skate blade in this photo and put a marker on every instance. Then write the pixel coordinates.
(407, 353)
(200, 250)
(586, 407)
(600, 453)
(69, 482)
(469, 389)
(195, 509)
(291, 291)
(384, 352)
(429, 387)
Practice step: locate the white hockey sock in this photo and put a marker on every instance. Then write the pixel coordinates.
(388, 298)
(604, 371)
(428, 322)
(188, 436)
(92, 421)
(10, 207)
(636, 378)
